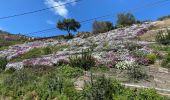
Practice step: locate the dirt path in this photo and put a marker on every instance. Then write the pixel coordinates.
(160, 91)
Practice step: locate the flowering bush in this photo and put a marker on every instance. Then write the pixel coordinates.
(136, 72)
(166, 61)
(111, 59)
(125, 65)
(3, 63)
(85, 61)
(142, 61)
(138, 53)
(151, 57)
(132, 46)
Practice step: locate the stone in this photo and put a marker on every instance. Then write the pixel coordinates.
(163, 70)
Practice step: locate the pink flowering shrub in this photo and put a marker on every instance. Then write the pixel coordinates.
(110, 60)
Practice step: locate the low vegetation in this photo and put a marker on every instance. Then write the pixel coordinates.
(160, 47)
(30, 85)
(102, 26)
(166, 61)
(37, 52)
(163, 37)
(125, 19)
(7, 39)
(3, 63)
(85, 61)
(57, 82)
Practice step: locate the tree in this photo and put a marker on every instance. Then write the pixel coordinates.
(102, 26)
(68, 25)
(125, 19)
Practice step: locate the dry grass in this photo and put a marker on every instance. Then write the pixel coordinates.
(150, 35)
(163, 24)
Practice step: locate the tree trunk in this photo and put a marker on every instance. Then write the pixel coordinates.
(69, 34)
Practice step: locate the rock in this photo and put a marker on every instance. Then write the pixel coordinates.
(163, 70)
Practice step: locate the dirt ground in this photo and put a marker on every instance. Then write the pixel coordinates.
(158, 78)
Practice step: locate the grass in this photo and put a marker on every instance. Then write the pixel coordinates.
(38, 52)
(160, 47)
(45, 84)
(4, 44)
(58, 83)
(4, 47)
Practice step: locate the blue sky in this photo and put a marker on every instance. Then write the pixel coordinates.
(85, 9)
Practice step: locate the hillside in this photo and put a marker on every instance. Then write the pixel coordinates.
(7, 39)
(126, 54)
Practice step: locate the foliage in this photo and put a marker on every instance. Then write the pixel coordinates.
(37, 52)
(166, 61)
(125, 65)
(85, 61)
(125, 19)
(151, 57)
(136, 72)
(148, 94)
(132, 46)
(101, 89)
(106, 89)
(55, 85)
(70, 72)
(3, 63)
(160, 47)
(110, 60)
(68, 25)
(163, 38)
(19, 78)
(139, 53)
(25, 84)
(142, 61)
(102, 26)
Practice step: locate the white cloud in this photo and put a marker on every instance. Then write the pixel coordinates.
(60, 10)
(50, 22)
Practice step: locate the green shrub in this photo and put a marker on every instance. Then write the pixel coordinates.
(166, 61)
(151, 57)
(19, 83)
(101, 89)
(51, 85)
(148, 94)
(163, 38)
(139, 53)
(47, 50)
(70, 72)
(125, 19)
(3, 63)
(37, 52)
(20, 78)
(102, 26)
(56, 86)
(10, 70)
(85, 61)
(132, 46)
(136, 72)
